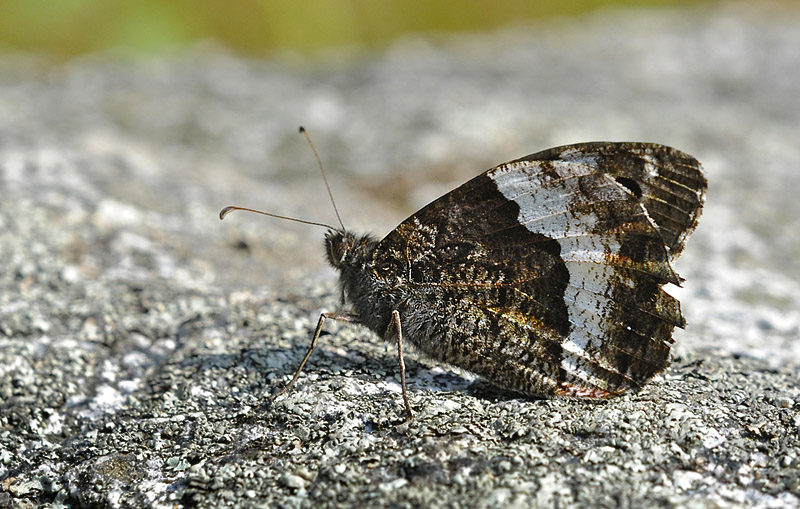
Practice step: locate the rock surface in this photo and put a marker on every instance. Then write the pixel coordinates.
(140, 336)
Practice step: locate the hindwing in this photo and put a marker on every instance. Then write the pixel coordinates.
(545, 274)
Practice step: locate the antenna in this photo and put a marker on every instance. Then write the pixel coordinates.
(227, 210)
(324, 177)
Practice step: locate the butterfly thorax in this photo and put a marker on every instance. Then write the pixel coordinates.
(370, 298)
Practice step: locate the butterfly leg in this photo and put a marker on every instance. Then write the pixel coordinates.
(342, 317)
(398, 327)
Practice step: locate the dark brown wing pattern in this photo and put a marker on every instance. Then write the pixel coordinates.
(544, 275)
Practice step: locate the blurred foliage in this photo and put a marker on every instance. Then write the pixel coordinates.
(66, 28)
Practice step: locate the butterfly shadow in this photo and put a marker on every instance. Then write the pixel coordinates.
(267, 369)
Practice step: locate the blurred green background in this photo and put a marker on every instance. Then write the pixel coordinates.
(67, 28)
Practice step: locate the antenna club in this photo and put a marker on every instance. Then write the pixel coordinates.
(224, 212)
(301, 129)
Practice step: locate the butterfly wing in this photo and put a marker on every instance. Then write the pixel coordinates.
(545, 274)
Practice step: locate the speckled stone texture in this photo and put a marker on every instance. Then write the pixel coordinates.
(140, 336)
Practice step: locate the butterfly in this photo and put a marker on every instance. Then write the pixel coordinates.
(543, 275)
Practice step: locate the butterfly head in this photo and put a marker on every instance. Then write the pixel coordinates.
(343, 248)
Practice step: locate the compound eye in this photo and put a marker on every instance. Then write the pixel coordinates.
(337, 249)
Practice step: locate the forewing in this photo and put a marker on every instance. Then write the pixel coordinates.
(545, 274)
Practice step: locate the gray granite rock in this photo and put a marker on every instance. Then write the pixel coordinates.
(140, 336)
